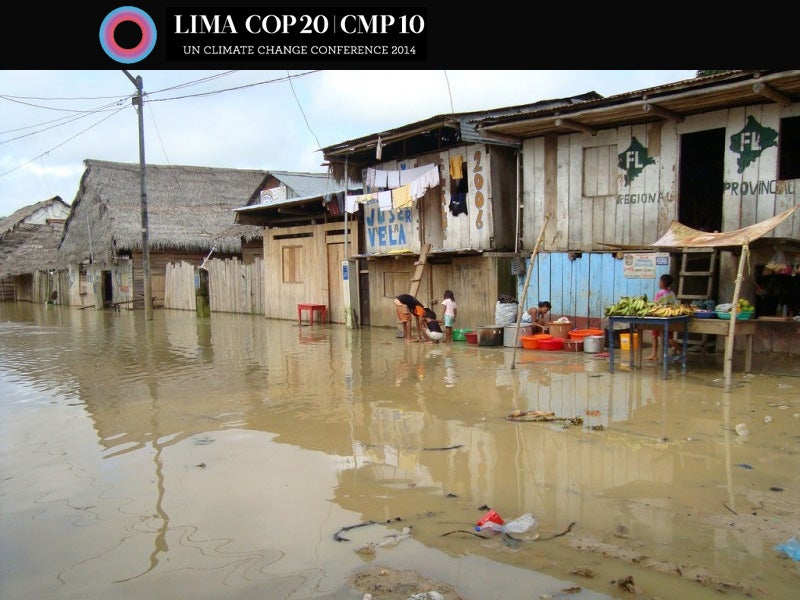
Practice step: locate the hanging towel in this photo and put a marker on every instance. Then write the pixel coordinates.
(392, 179)
(456, 167)
(401, 197)
(369, 180)
(427, 179)
(385, 200)
(380, 179)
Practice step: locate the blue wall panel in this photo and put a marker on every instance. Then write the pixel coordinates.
(583, 287)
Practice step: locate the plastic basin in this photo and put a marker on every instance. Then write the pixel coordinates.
(554, 343)
(579, 334)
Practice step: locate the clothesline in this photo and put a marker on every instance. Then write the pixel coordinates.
(405, 186)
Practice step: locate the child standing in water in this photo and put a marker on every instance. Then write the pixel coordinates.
(450, 312)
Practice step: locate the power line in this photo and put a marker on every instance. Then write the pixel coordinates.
(118, 100)
(447, 79)
(62, 143)
(302, 112)
(232, 89)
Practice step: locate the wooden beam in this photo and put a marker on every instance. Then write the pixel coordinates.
(663, 112)
(772, 94)
(574, 125)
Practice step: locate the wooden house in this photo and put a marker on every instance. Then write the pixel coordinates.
(717, 153)
(188, 208)
(29, 240)
(304, 231)
(440, 193)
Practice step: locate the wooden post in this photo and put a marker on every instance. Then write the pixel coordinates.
(734, 310)
(525, 288)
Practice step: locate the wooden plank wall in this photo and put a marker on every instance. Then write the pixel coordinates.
(310, 244)
(576, 178)
(473, 280)
(476, 229)
(7, 289)
(236, 287)
(179, 286)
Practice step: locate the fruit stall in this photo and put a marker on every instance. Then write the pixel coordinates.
(679, 236)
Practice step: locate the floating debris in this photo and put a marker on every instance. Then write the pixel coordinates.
(541, 415)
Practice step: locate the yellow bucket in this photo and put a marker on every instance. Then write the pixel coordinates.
(625, 341)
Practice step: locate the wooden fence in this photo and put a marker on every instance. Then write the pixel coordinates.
(234, 286)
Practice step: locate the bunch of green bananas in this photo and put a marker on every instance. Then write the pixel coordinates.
(630, 306)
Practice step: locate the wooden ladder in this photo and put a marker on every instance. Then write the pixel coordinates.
(696, 282)
(416, 278)
(420, 264)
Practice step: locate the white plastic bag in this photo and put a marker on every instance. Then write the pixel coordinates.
(519, 525)
(505, 313)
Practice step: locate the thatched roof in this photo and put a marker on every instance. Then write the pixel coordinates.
(29, 248)
(187, 207)
(246, 233)
(20, 215)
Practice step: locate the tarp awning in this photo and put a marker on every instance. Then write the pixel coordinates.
(681, 236)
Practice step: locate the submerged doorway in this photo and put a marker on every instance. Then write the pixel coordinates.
(108, 289)
(701, 179)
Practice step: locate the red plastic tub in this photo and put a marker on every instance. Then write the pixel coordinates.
(552, 344)
(472, 337)
(573, 345)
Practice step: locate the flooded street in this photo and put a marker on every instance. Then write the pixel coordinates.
(233, 456)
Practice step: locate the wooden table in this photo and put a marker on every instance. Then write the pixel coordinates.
(664, 323)
(744, 327)
(312, 308)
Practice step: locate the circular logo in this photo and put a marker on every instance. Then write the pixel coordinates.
(136, 24)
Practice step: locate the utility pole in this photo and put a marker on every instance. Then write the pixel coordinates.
(148, 290)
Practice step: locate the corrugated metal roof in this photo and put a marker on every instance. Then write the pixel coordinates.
(670, 101)
(306, 185)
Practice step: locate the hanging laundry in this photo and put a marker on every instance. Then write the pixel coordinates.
(458, 197)
(369, 179)
(456, 167)
(401, 197)
(392, 179)
(458, 203)
(353, 200)
(385, 200)
(333, 203)
(427, 179)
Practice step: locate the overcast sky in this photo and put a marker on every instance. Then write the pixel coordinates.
(51, 121)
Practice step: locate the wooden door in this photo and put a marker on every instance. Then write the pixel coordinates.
(335, 288)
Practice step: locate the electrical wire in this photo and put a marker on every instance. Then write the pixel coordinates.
(289, 77)
(149, 98)
(62, 143)
(447, 79)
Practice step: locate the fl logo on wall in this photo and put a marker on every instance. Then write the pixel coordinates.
(128, 34)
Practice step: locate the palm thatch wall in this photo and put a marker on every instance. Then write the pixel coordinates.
(188, 208)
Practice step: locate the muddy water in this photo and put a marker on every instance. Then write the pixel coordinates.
(218, 458)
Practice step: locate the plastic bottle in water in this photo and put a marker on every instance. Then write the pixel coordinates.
(519, 525)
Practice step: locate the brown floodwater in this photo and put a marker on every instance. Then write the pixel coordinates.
(223, 457)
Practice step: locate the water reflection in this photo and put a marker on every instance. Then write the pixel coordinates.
(220, 454)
